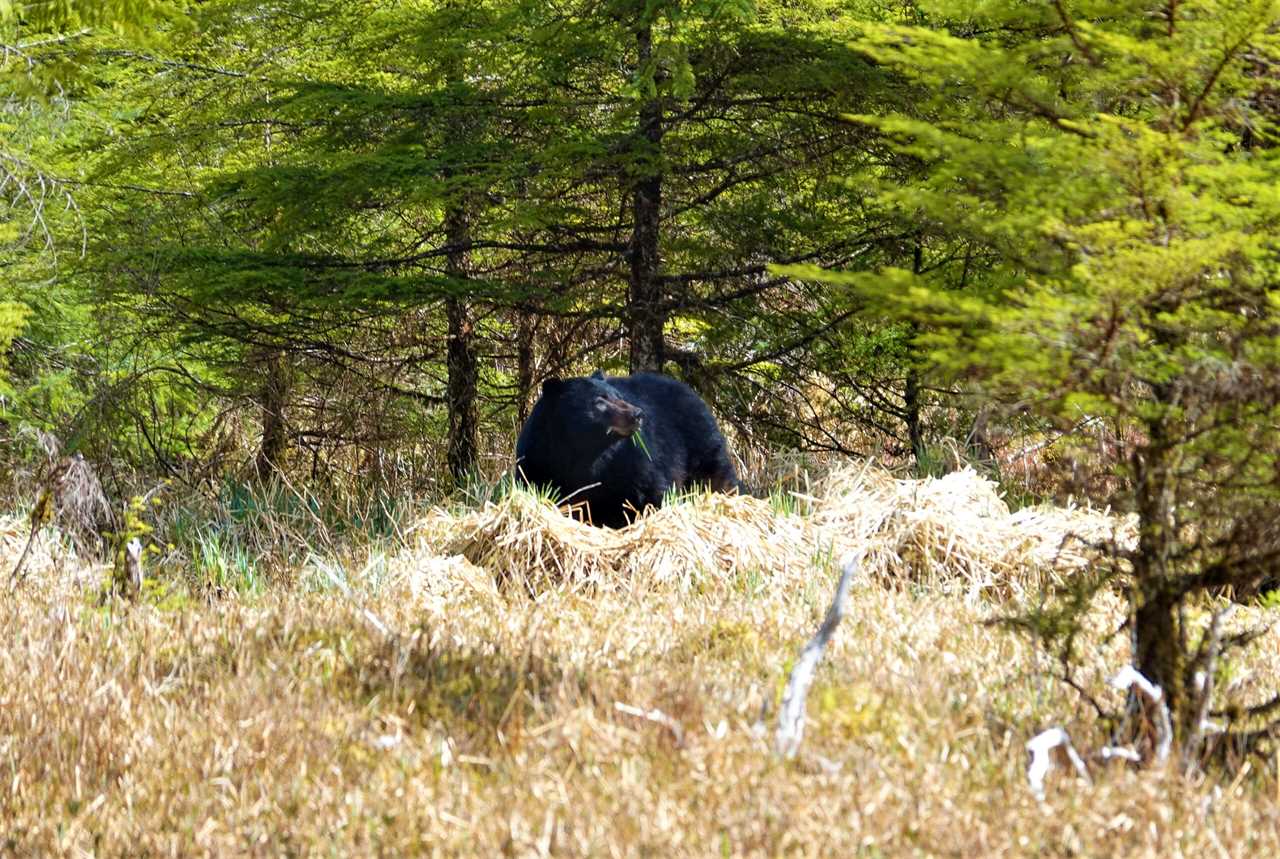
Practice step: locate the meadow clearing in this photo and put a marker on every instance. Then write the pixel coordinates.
(493, 678)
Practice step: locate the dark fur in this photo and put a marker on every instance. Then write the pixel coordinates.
(566, 444)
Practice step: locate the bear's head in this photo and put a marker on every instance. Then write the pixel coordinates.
(591, 409)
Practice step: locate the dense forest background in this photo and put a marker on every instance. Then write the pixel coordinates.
(349, 240)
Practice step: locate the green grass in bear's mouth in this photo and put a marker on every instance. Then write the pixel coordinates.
(637, 438)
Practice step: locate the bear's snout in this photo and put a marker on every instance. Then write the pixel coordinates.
(624, 418)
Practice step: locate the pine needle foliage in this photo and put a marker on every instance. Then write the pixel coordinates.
(351, 190)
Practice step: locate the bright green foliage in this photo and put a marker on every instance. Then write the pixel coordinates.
(292, 184)
(43, 48)
(1114, 165)
(12, 318)
(71, 16)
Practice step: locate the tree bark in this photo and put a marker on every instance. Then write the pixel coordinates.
(646, 316)
(911, 400)
(460, 360)
(272, 397)
(1160, 646)
(527, 328)
(911, 388)
(979, 440)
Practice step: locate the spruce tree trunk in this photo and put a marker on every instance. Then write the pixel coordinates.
(979, 440)
(524, 365)
(460, 358)
(911, 400)
(1160, 646)
(911, 388)
(460, 361)
(1158, 657)
(646, 316)
(272, 397)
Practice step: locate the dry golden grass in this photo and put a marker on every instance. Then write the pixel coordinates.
(951, 531)
(502, 719)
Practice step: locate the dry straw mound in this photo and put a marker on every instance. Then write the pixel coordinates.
(954, 530)
(957, 528)
(525, 538)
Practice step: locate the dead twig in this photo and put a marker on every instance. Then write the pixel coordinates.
(41, 513)
(791, 715)
(1133, 681)
(1047, 749)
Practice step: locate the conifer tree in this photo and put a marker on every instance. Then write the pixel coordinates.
(1112, 163)
(39, 43)
(448, 177)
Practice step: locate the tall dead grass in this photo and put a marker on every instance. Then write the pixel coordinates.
(613, 707)
(948, 532)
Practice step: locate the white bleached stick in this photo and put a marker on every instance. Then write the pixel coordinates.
(791, 716)
(1041, 747)
(1128, 677)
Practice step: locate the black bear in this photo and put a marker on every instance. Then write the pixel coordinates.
(619, 443)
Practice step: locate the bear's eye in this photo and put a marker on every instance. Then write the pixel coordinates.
(601, 405)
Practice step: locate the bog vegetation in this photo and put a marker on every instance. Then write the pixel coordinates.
(983, 294)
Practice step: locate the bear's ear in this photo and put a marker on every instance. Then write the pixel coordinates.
(552, 386)
(598, 374)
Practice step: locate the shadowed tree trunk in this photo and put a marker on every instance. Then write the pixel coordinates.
(911, 391)
(461, 360)
(1159, 644)
(272, 396)
(646, 316)
(911, 401)
(528, 327)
